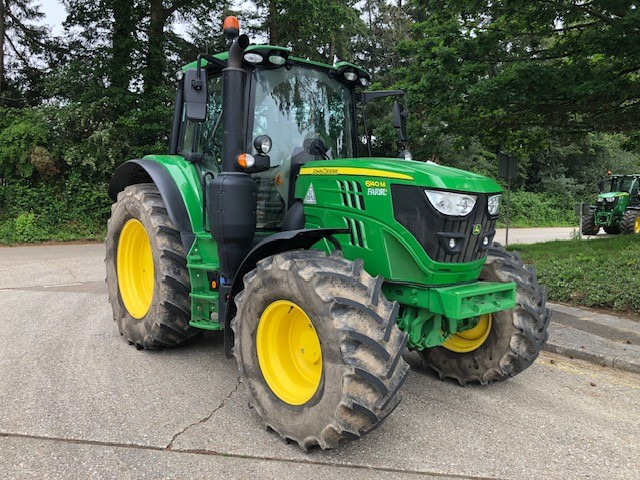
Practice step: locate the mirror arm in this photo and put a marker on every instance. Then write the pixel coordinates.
(366, 130)
(215, 129)
(210, 59)
(366, 97)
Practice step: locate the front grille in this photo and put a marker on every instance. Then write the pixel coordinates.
(412, 209)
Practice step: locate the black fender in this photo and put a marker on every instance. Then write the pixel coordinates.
(145, 171)
(277, 243)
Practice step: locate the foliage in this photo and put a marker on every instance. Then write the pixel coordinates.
(599, 273)
(317, 29)
(556, 84)
(67, 210)
(23, 142)
(529, 209)
(501, 69)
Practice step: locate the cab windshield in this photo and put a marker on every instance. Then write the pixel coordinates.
(304, 111)
(617, 184)
(308, 116)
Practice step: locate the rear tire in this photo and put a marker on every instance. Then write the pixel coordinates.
(361, 347)
(630, 222)
(516, 336)
(589, 226)
(166, 323)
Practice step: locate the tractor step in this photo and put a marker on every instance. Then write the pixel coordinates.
(204, 296)
(207, 324)
(203, 266)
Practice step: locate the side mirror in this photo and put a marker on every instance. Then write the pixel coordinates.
(400, 121)
(195, 95)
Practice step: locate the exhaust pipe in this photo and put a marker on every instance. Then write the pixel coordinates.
(232, 194)
(233, 109)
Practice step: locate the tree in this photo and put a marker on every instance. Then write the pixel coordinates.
(320, 30)
(22, 39)
(509, 71)
(387, 25)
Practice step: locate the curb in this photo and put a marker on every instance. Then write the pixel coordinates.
(604, 360)
(582, 344)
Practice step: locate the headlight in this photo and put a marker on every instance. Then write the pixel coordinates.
(253, 57)
(262, 143)
(610, 199)
(449, 203)
(494, 204)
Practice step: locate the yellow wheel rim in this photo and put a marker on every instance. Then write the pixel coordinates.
(135, 268)
(636, 225)
(289, 352)
(469, 340)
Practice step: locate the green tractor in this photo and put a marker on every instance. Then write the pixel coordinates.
(319, 264)
(617, 209)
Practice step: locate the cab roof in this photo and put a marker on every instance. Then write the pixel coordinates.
(223, 56)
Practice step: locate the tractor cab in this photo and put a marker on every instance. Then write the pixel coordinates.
(618, 191)
(620, 184)
(289, 111)
(297, 113)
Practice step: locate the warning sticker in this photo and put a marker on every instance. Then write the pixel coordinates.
(310, 197)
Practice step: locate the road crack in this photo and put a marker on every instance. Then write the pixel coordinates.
(64, 267)
(205, 419)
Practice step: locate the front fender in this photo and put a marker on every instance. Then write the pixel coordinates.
(177, 183)
(277, 243)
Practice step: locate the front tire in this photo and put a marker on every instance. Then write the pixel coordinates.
(515, 337)
(147, 275)
(329, 318)
(589, 226)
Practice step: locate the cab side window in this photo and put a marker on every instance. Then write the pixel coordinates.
(206, 137)
(635, 191)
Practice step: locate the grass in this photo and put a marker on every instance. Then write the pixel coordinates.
(599, 273)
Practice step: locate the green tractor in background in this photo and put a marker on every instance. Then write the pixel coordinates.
(617, 209)
(319, 264)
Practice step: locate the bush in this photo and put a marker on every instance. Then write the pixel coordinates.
(528, 209)
(69, 209)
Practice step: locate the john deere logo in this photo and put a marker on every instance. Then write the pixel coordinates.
(476, 229)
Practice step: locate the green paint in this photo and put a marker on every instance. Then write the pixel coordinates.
(188, 182)
(201, 260)
(203, 256)
(390, 250)
(611, 218)
(456, 302)
(429, 315)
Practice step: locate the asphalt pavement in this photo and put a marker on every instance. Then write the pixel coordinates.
(76, 401)
(536, 235)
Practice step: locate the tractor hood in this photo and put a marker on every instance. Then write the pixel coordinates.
(427, 174)
(612, 195)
